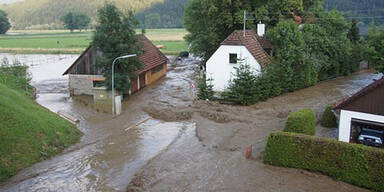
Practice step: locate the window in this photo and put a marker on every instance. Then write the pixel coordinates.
(233, 58)
(98, 84)
(157, 69)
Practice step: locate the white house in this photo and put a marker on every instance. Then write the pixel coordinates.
(365, 109)
(241, 46)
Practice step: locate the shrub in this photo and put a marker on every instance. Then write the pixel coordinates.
(329, 118)
(302, 121)
(356, 164)
(205, 89)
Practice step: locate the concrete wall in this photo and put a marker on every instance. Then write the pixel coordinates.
(82, 84)
(346, 119)
(151, 78)
(219, 68)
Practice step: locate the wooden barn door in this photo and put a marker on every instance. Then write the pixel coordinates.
(134, 87)
(142, 80)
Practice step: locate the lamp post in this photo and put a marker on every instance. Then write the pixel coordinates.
(113, 79)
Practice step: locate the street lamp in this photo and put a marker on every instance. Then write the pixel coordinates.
(113, 79)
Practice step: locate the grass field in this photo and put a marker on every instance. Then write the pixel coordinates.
(29, 133)
(55, 41)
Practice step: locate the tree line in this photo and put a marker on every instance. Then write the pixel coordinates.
(48, 13)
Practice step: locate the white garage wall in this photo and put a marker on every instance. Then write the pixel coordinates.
(346, 118)
(219, 68)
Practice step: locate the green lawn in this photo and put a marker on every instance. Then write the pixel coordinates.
(65, 42)
(29, 133)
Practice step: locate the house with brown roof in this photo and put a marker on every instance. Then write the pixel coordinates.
(84, 75)
(365, 109)
(241, 46)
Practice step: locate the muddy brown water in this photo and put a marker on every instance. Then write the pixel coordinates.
(183, 145)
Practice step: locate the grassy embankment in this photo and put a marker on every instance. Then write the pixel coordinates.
(29, 133)
(46, 41)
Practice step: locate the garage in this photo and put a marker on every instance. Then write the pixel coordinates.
(361, 116)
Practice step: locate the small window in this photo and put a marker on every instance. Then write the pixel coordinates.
(98, 84)
(233, 58)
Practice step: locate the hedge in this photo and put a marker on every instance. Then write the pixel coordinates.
(356, 164)
(302, 121)
(328, 119)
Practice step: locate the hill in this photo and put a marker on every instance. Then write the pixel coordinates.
(29, 133)
(366, 11)
(169, 14)
(47, 13)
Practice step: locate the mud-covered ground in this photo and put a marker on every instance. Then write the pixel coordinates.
(210, 157)
(166, 141)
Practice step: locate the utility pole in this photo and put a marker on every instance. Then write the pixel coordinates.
(245, 20)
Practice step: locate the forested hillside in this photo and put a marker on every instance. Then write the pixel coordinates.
(365, 11)
(47, 13)
(155, 13)
(169, 14)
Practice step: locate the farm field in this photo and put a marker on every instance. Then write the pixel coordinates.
(61, 41)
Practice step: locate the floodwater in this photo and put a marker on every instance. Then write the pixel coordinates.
(178, 144)
(111, 150)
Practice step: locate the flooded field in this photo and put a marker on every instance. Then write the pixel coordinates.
(178, 144)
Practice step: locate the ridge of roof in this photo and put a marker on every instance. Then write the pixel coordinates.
(342, 103)
(252, 42)
(151, 58)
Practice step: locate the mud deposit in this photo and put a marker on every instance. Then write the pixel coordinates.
(181, 144)
(210, 157)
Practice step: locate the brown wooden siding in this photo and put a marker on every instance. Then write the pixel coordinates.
(86, 64)
(142, 80)
(371, 102)
(134, 87)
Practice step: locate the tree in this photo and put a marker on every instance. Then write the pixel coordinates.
(82, 21)
(69, 21)
(74, 21)
(243, 88)
(354, 32)
(115, 36)
(4, 22)
(296, 70)
(374, 48)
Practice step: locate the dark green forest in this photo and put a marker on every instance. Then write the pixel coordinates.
(161, 13)
(169, 14)
(365, 11)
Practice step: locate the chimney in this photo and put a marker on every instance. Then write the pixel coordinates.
(260, 29)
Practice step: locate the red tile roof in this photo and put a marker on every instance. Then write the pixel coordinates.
(151, 58)
(359, 94)
(252, 42)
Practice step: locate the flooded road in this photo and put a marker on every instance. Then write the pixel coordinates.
(111, 150)
(178, 144)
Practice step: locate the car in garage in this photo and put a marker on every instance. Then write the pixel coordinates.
(371, 137)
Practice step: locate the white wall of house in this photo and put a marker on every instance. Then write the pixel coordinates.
(220, 69)
(346, 120)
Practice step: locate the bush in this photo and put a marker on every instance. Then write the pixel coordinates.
(302, 121)
(205, 89)
(329, 118)
(356, 164)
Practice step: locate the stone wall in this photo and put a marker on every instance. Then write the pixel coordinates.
(82, 84)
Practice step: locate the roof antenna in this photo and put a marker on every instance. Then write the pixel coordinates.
(245, 20)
